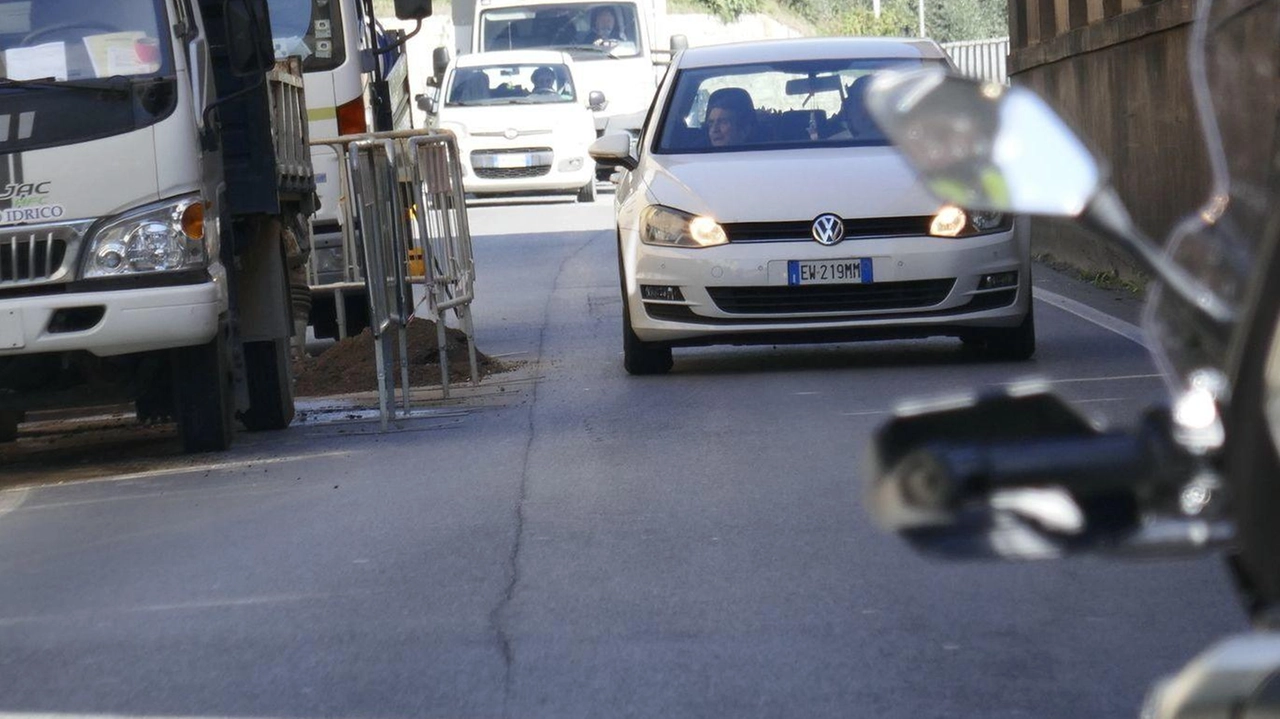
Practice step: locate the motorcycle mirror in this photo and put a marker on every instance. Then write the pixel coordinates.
(1236, 677)
(986, 146)
(1019, 474)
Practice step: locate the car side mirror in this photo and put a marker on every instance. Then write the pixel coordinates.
(614, 149)
(1021, 475)
(413, 9)
(678, 43)
(596, 100)
(426, 103)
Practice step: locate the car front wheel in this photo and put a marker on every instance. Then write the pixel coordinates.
(640, 357)
(1014, 343)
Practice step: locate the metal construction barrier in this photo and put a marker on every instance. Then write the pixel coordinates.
(404, 212)
(982, 59)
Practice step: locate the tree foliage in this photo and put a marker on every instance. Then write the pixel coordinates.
(945, 20)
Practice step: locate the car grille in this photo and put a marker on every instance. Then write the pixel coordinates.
(32, 257)
(802, 230)
(511, 173)
(831, 298)
(496, 164)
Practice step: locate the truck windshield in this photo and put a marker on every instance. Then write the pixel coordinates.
(81, 40)
(310, 29)
(511, 84)
(589, 31)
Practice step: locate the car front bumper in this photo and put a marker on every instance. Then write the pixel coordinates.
(739, 293)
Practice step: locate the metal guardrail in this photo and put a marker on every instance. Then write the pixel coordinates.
(983, 59)
(403, 209)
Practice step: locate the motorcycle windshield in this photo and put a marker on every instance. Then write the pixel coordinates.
(1235, 71)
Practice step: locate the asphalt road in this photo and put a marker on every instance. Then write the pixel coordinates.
(568, 541)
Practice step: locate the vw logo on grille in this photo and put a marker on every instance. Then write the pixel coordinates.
(511, 133)
(828, 229)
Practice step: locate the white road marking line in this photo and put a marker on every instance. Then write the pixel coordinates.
(1083, 311)
(192, 469)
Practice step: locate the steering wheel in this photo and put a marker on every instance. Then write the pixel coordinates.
(68, 25)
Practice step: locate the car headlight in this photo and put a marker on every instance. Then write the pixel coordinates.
(664, 226)
(166, 237)
(951, 221)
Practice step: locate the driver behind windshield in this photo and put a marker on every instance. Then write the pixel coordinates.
(605, 29)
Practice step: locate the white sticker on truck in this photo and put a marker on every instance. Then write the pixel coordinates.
(31, 213)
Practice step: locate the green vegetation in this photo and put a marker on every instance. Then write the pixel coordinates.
(945, 20)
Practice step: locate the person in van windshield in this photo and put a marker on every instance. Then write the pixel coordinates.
(731, 117)
(605, 29)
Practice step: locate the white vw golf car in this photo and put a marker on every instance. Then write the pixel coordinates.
(765, 207)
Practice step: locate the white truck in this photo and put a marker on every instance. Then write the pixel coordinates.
(615, 44)
(154, 173)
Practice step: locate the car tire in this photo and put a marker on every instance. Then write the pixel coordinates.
(1016, 343)
(588, 192)
(640, 357)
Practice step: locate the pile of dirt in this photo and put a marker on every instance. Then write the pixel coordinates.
(348, 366)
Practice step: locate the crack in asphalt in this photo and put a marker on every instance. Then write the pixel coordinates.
(497, 617)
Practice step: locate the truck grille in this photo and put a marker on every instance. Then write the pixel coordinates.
(831, 298)
(32, 257)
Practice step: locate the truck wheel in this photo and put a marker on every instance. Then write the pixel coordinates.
(9, 421)
(203, 398)
(269, 376)
(588, 192)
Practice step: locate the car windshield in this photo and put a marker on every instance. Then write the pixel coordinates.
(588, 31)
(83, 39)
(511, 84)
(310, 29)
(802, 103)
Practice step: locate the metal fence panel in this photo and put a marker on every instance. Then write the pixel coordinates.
(404, 208)
(983, 59)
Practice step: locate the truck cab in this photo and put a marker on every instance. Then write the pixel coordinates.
(146, 211)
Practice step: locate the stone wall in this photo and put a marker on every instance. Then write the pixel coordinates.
(1122, 82)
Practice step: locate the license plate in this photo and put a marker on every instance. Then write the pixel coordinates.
(829, 272)
(512, 161)
(11, 335)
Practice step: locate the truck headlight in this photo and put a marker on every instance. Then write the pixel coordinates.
(664, 226)
(164, 237)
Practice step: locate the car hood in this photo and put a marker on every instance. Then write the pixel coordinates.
(525, 118)
(781, 185)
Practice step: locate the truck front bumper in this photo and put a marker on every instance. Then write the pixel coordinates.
(111, 323)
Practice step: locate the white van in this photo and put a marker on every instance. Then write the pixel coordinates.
(515, 135)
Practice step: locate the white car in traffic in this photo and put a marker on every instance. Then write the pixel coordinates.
(764, 206)
(522, 122)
